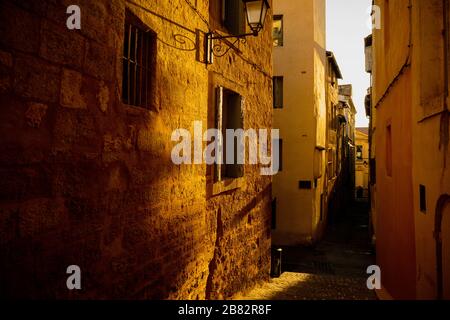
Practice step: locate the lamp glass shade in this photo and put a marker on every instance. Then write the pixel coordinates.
(256, 13)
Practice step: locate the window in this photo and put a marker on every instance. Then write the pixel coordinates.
(368, 53)
(139, 56)
(359, 152)
(373, 172)
(331, 173)
(280, 153)
(423, 198)
(274, 214)
(322, 206)
(389, 151)
(229, 116)
(233, 16)
(278, 92)
(335, 163)
(277, 31)
(368, 104)
(333, 119)
(304, 184)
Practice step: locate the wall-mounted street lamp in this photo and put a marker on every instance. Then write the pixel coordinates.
(255, 11)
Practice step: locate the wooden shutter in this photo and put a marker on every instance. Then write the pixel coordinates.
(219, 125)
(234, 121)
(234, 16)
(278, 92)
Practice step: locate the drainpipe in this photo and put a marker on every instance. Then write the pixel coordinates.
(444, 129)
(446, 40)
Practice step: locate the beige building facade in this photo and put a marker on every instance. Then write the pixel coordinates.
(333, 75)
(300, 64)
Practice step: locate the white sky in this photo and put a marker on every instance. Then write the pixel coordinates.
(346, 30)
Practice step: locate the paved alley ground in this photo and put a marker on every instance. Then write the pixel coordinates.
(333, 269)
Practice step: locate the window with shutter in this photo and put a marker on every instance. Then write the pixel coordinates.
(280, 155)
(229, 115)
(389, 151)
(274, 214)
(233, 16)
(372, 170)
(278, 92)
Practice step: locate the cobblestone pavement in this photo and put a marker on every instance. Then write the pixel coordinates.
(333, 269)
(304, 286)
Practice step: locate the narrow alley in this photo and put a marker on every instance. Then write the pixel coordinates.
(333, 269)
(214, 150)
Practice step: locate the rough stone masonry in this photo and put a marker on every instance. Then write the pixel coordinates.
(87, 180)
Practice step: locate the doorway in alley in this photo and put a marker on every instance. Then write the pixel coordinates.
(442, 233)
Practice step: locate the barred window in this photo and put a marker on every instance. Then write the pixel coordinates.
(139, 51)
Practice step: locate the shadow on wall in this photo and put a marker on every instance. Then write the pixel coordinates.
(68, 198)
(86, 180)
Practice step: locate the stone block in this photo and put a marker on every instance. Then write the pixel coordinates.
(8, 224)
(19, 29)
(5, 80)
(37, 7)
(6, 59)
(24, 183)
(103, 97)
(97, 23)
(35, 113)
(34, 78)
(71, 96)
(75, 129)
(39, 216)
(56, 10)
(61, 45)
(6, 63)
(99, 61)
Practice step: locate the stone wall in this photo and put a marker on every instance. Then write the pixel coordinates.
(89, 181)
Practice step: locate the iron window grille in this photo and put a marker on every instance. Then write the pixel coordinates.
(138, 55)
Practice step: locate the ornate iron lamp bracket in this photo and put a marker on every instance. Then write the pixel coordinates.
(224, 45)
